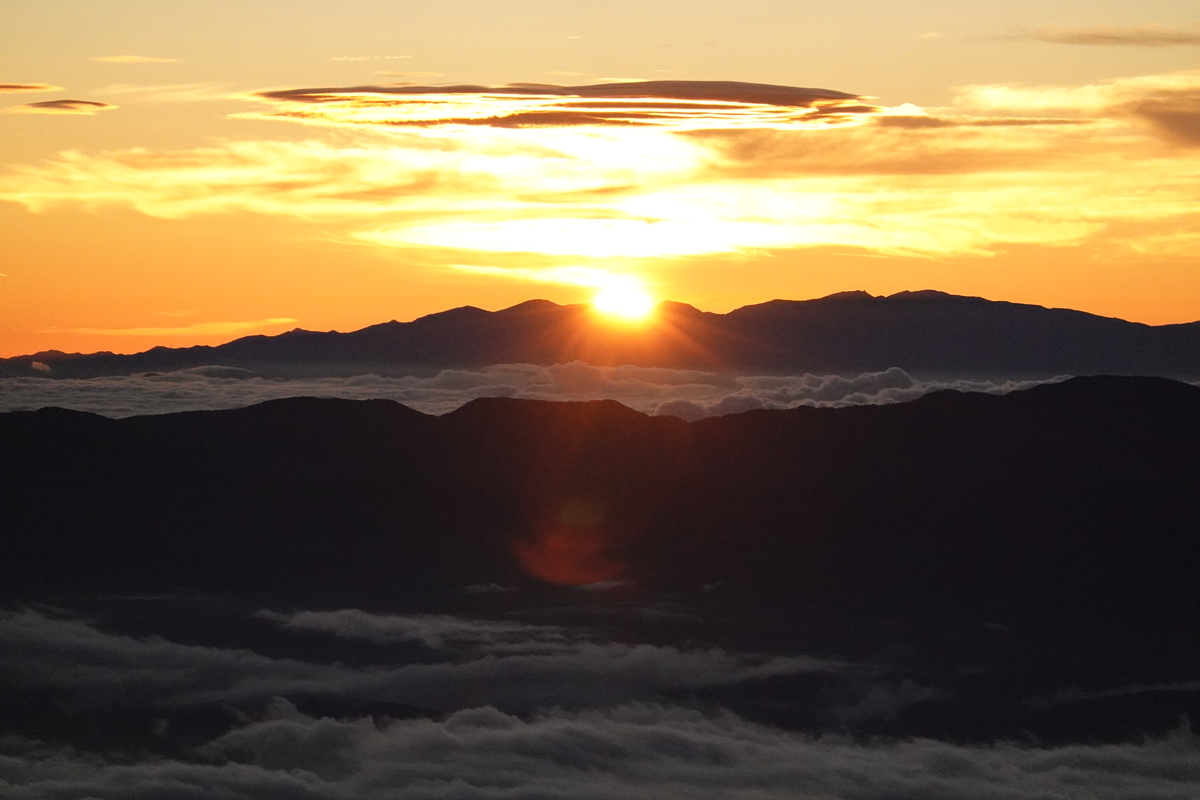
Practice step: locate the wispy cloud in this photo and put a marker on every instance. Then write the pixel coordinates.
(135, 60)
(1169, 104)
(173, 92)
(410, 75)
(710, 172)
(369, 58)
(28, 87)
(1120, 35)
(554, 276)
(84, 108)
(199, 329)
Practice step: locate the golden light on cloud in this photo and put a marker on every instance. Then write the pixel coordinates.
(899, 181)
(135, 60)
(199, 329)
(592, 238)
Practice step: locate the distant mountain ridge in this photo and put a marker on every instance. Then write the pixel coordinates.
(923, 332)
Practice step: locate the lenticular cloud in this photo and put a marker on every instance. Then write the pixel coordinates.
(690, 105)
(687, 394)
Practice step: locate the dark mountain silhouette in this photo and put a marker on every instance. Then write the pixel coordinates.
(1012, 544)
(929, 334)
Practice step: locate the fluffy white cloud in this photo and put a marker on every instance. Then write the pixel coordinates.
(688, 394)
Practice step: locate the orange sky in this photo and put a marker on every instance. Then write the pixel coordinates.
(166, 181)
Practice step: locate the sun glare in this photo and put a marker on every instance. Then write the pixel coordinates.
(623, 300)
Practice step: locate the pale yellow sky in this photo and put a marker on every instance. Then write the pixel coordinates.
(162, 183)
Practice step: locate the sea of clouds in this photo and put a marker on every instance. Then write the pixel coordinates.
(529, 711)
(688, 394)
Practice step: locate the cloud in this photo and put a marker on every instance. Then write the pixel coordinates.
(199, 329)
(708, 168)
(632, 750)
(684, 393)
(309, 179)
(1076, 695)
(1169, 104)
(368, 58)
(173, 92)
(28, 87)
(680, 105)
(135, 60)
(514, 667)
(518, 710)
(438, 631)
(85, 108)
(1121, 35)
(413, 75)
(559, 276)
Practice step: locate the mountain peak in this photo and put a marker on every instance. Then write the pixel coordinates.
(925, 332)
(460, 314)
(530, 306)
(857, 294)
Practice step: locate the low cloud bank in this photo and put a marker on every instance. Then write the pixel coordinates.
(687, 394)
(581, 720)
(511, 666)
(633, 750)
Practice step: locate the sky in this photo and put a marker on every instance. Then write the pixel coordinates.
(169, 176)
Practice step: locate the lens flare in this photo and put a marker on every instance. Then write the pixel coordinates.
(572, 549)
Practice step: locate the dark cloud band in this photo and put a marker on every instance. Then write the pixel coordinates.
(28, 87)
(1120, 35)
(84, 107)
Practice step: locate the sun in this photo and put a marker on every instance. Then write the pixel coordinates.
(626, 301)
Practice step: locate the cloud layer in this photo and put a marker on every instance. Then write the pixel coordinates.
(135, 60)
(198, 329)
(671, 169)
(683, 393)
(635, 750)
(515, 667)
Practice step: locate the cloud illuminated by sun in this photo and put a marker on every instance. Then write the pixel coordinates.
(603, 175)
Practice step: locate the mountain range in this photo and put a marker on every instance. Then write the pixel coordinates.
(1000, 547)
(925, 333)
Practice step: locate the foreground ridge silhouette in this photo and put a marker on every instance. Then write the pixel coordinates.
(1064, 515)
